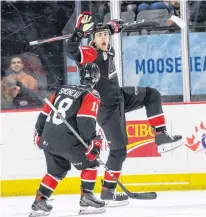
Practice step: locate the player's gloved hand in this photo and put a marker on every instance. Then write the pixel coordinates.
(93, 150)
(116, 25)
(36, 140)
(84, 24)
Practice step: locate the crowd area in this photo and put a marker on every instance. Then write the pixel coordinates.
(29, 73)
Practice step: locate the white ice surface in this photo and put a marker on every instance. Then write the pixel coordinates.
(167, 204)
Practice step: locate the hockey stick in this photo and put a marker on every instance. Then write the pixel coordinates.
(143, 23)
(38, 42)
(126, 26)
(140, 196)
(181, 23)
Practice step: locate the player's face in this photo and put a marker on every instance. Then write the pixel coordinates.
(16, 65)
(101, 40)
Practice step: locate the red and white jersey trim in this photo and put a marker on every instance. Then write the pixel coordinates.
(155, 116)
(91, 169)
(88, 116)
(46, 186)
(157, 120)
(53, 177)
(111, 181)
(44, 113)
(88, 180)
(109, 178)
(115, 171)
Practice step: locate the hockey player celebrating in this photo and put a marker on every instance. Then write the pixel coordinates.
(116, 101)
(79, 106)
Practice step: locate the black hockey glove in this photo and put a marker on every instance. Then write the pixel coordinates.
(84, 24)
(116, 25)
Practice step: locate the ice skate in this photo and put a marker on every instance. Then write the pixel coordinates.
(114, 199)
(40, 206)
(166, 143)
(89, 204)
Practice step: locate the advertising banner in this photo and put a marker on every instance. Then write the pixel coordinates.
(156, 61)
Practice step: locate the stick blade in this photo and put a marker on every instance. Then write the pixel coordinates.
(144, 196)
(181, 23)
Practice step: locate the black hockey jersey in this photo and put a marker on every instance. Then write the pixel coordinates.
(79, 106)
(108, 86)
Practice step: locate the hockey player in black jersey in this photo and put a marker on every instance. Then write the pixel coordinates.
(116, 101)
(79, 106)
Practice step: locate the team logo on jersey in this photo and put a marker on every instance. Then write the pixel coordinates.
(105, 56)
(45, 143)
(198, 140)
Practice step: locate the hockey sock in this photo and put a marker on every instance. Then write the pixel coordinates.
(108, 181)
(88, 179)
(48, 185)
(158, 122)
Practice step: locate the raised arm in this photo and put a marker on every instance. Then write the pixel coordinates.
(81, 54)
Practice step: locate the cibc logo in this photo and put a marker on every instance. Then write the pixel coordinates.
(140, 140)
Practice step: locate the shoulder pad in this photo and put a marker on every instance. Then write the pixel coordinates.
(95, 93)
(88, 54)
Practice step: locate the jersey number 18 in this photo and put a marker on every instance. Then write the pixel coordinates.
(61, 109)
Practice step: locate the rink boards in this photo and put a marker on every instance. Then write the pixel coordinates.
(23, 165)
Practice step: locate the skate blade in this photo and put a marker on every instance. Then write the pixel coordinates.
(170, 147)
(112, 203)
(38, 213)
(91, 210)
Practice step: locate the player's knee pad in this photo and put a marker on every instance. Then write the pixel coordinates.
(116, 159)
(152, 95)
(86, 165)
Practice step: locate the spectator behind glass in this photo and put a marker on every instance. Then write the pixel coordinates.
(153, 5)
(16, 67)
(9, 91)
(14, 95)
(174, 7)
(34, 67)
(104, 9)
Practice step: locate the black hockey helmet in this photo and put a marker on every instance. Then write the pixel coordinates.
(100, 27)
(89, 74)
